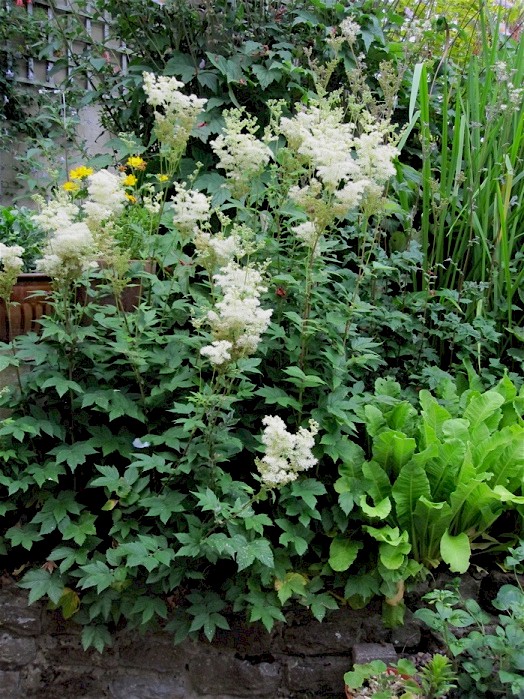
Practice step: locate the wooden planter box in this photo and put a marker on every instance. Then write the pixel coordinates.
(27, 309)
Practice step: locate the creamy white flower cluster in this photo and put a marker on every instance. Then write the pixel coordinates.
(216, 250)
(286, 454)
(191, 208)
(11, 258)
(175, 112)
(347, 165)
(69, 252)
(237, 321)
(350, 30)
(241, 154)
(106, 197)
(72, 227)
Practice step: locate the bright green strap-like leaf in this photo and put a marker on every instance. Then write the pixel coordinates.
(411, 484)
(430, 521)
(378, 484)
(392, 450)
(434, 415)
(483, 407)
(455, 551)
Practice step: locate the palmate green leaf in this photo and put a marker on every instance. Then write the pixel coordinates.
(259, 549)
(456, 551)
(40, 583)
(308, 490)
(149, 607)
(292, 584)
(73, 454)
(95, 636)
(24, 536)
(61, 385)
(343, 552)
(392, 450)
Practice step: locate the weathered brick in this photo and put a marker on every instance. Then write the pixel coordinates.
(16, 615)
(9, 684)
(318, 677)
(155, 653)
(16, 652)
(366, 652)
(220, 673)
(148, 687)
(335, 635)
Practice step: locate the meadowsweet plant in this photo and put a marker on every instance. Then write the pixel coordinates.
(177, 462)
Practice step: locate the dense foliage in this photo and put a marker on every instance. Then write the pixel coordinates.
(333, 288)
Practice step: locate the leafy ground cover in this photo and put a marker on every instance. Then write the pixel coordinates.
(318, 398)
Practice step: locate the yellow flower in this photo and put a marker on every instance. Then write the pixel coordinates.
(130, 181)
(131, 198)
(162, 178)
(136, 162)
(80, 172)
(70, 186)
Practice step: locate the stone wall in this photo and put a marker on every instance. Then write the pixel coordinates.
(41, 657)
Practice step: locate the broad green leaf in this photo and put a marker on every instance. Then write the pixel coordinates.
(483, 408)
(434, 415)
(375, 420)
(380, 510)
(430, 521)
(411, 484)
(392, 450)
(455, 551)
(343, 552)
(392, 557)
(378, 484)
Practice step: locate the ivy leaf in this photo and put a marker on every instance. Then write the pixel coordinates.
(61, 385)
(40, 583)
(73, 454)
(95, 636)
(24, 536)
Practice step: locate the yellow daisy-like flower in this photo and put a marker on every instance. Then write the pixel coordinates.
(79, 173)
(131, 198)
(136, 162)
(130, 181)
(70, 186)
(162, 178)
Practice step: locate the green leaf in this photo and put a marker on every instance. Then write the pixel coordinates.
(73, 454)
(94, 636)
(381, 510)
(61, 385)
(392, 450)
(308, 490)
(40, 583)
(343, 552)
(455, 551)
(483, 407)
